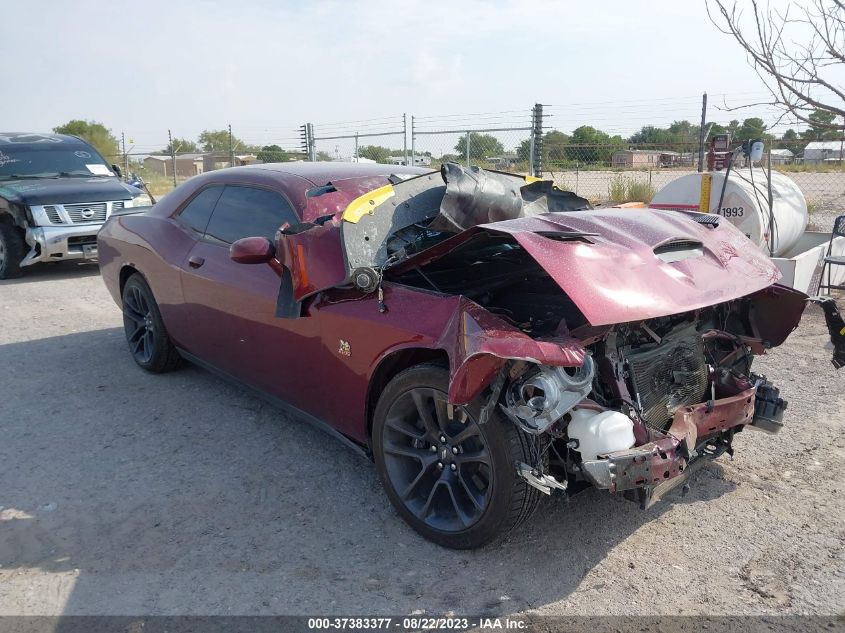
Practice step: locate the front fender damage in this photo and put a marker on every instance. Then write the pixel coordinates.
(479, 344)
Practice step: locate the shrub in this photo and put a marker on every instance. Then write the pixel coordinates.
(626, 189)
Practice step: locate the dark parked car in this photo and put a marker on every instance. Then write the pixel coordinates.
(485, 337)
(55, 193)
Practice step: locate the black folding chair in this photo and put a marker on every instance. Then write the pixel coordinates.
(833, 260)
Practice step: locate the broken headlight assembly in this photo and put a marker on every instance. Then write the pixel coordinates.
(543, 395)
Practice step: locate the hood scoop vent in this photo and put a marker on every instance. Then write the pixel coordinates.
(678, 250)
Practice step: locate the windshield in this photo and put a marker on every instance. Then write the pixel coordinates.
(51, 160)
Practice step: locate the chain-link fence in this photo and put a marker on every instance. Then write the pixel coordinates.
(613, 151)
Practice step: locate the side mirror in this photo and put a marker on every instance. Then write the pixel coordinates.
(117, 170)
(252, 250)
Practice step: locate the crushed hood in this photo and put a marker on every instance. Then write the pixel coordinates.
(620, 265)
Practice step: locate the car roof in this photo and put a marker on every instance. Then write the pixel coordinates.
(325, 171)
(32, 138)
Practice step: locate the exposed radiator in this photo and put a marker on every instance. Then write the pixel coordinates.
(668, 375)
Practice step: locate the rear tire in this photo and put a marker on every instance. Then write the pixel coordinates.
(453, 481)
(148, 341)
(12, 248)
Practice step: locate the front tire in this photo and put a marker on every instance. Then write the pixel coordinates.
(148, 341)
(453, 480)
(12, 249)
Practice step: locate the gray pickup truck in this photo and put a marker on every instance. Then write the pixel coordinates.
(56, 191)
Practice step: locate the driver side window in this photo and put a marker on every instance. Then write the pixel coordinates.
(248, 212)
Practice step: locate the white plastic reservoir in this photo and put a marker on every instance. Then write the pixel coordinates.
(600, 432)
(745, 210)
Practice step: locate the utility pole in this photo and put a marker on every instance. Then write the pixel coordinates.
(172, 156)
(413, 143)
(405, 137)
(537, 134)
(231, 148)
(312, 146)
(125, 157)
(701, 132)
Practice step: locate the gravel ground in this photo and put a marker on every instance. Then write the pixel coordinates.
(128, 493)
(823, 217)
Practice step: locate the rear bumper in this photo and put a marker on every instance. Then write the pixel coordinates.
(664, 463)
(58, 243)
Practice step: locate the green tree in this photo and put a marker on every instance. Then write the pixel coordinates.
(822, 127)
(180, 145)
(375, 152)
(272, 154)
(554, 142)
(324, 157)
(95, 133)
(589, 145)
(678, 137)
(523, 150)
(554, 147)
(480, 146)
(218, 141)
(751, 128)
(791, 141)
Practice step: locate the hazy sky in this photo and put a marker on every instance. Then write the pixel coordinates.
(266, 67)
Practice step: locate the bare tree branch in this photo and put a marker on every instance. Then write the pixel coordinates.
(800, 58)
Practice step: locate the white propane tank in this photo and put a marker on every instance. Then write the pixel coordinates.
(745, 210)
(600, 432)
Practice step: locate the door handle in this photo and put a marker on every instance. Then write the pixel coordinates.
(195, 261)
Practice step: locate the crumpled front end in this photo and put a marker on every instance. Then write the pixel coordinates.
(620, 341)
(632, 408)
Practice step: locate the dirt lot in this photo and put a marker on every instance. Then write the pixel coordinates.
(127, 493)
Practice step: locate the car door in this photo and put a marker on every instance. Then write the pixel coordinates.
(232, 306)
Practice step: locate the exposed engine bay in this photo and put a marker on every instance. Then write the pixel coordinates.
(650, 398)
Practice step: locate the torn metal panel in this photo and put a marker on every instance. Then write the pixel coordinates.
(775, 312)
(313, 257)
(476, 196)
(478, 344)
(667, 457)
(372, 219)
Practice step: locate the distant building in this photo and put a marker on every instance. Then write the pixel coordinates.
(504, 161)
(781, 156)
(822, 151)
(645, 158)
(187, 165)
(419, 161)
(222, 160)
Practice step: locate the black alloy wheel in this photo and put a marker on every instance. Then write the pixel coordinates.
(452, 479)
(145, 333)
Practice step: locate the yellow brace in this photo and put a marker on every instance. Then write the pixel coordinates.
(367, 203)
(704, 199)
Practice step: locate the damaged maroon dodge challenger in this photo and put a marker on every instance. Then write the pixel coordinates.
(485, 337)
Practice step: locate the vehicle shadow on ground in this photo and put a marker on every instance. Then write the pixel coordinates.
(180, 494)
(54, 271)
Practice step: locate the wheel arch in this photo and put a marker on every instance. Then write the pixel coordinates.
(391, 365)
(126, 271)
